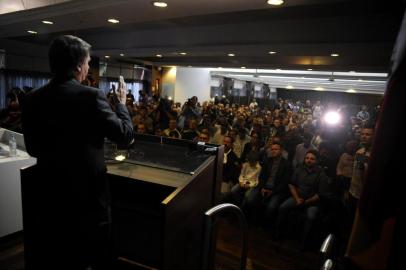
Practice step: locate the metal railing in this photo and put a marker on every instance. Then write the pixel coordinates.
(326, 253)
(328, 265)
(210, 222)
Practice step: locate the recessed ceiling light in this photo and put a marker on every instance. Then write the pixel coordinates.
(319, 88)
(275, 2)
(122, 54)
(289, 87)
(107, 56)
(335, 55)
(309, 69)
(158, 55)
(182, 53)
(32, 32)
(243, 67)
(351, 91)
(47, 22)
(160, 4)
(112, 20)
(231, 54)
(272, 52)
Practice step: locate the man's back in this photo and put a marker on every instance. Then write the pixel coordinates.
(65, 125)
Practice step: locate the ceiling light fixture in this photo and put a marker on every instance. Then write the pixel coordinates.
(122, 54)
(272, 52)
(275, 2)
(309, 69)
(160, 4)
(158, 55)
(182, 53)
(107, 56)
(112, 20)
(243, 67)
(289, 87)
(47, 22)
(32, 32)
(231, 54)
(319, 88)
(335, 55)
(351, 91)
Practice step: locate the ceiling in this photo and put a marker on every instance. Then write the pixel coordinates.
(303, 33)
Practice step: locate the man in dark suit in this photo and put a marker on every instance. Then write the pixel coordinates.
(272, 189)
(64, 125)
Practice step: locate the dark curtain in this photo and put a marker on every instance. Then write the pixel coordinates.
(18, 79)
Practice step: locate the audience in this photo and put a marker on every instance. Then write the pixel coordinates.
(269, 143)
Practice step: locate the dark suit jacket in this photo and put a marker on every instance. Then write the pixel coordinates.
(281, 178)
(231, 170)
(64, 126)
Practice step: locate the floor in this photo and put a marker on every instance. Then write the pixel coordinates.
(263, 253)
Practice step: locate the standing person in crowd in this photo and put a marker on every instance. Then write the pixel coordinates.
(345, 167)
(363, 114)
(64, 125)
(360, 167)
(190, 110)
(317, 110)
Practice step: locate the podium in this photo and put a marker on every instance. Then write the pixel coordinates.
(160, 192)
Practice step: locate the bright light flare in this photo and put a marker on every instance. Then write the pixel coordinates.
(332, 118)
(120, 158)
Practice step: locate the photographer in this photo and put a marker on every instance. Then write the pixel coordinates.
(189, 110)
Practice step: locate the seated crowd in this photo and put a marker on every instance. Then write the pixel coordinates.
(281, 163)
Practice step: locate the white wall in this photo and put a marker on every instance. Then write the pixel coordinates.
(192, 82)
(169, 82)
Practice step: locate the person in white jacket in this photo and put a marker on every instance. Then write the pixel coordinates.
(248, 179)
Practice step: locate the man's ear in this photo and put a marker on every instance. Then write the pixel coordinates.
(79, 68)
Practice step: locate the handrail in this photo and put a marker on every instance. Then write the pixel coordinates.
(327, 245)
(326, 251)
(209, 215)
(328, 265)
